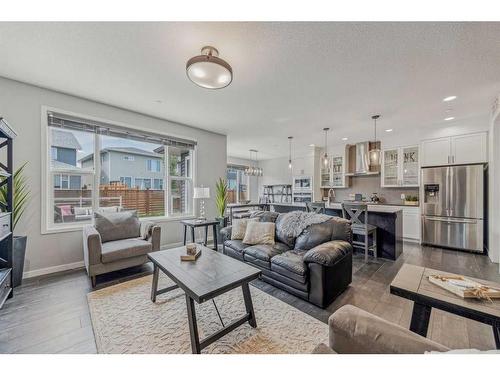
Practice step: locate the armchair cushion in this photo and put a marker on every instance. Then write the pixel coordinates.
(328, 253)
(127, 248)
(355, 331)
(118, 225)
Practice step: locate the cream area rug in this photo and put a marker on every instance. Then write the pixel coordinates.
(126, 321)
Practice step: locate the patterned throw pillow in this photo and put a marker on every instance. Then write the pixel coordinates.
(259, 233)
(239, 227)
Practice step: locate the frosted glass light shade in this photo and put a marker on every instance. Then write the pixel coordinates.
(208, 70)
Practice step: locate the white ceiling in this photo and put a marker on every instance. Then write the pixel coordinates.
(289, 78)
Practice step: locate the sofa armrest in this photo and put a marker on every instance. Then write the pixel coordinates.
(226, 233)
(328, 253)
(152, 233)
(355, 331)
(92, 246)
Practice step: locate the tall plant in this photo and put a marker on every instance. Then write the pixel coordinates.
(21, 195)
(221, 196)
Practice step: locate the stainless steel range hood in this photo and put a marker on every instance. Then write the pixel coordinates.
(362, 160)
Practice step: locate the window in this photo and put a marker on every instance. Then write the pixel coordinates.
(237, 184)
(146, 186)
(154, 165)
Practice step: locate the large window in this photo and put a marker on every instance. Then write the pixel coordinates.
(132, 173)
(237, 184)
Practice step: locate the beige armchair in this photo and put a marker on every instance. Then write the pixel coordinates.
(355, 331)
(116, 241)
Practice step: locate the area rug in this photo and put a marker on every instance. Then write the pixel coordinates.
(126, 321)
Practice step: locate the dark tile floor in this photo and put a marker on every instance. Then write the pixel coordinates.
(49, 314)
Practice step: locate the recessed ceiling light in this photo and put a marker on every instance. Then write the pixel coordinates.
(449, 118)
(312, 145)
(449, 98)
(388, 130)
(208, 70)
(158, 101)
(345, 139)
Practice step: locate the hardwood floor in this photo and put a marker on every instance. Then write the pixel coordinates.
(49, 314)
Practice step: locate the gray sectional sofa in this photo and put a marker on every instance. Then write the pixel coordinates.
(316, 265)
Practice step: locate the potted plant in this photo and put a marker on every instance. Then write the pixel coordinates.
(21, 195)
(221, 202)
(411, 200)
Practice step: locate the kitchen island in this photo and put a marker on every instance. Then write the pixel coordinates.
(387, 219)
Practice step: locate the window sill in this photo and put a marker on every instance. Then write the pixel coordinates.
(79, 227)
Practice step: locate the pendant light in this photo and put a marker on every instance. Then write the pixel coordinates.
(325, 157)
(208, 70)
(252, 170)
(375, 152)
(290, 152)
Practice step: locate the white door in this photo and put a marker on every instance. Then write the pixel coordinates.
(436, 152)
(411, 223)
(410, 166)
(469, 148)
(390, 168)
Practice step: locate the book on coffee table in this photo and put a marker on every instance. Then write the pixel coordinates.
(465, 288)
(190, 258)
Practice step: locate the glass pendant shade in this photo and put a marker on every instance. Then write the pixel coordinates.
(375, 153)
(253, 170)
(208, 70)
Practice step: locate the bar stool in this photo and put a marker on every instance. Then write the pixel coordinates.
(316, 207)
(356, 212)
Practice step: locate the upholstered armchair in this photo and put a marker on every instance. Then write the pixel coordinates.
(116, 241)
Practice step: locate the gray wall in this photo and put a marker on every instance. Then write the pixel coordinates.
(21, 104)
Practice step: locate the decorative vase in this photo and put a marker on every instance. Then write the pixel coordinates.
(18, 255)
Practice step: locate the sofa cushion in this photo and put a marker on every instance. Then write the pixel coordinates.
(290, 264)
(239, 228)
(117, 226)
(259, 233)
(121, 249)
(266, 252)
(314, 235)
(281, 235)
(236, 245)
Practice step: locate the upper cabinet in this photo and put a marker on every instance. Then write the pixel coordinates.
(333, 176)
(400, 166)
(460, 149)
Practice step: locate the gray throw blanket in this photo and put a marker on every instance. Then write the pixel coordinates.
(293, 223)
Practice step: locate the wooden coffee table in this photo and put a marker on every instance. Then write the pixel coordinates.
(211, 275)
(412, 282)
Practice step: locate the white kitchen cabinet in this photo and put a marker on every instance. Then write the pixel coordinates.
(401, 167)
(460, 149)
(411, 223)
(334, 176)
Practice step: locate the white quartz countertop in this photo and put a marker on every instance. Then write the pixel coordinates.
(338, 206)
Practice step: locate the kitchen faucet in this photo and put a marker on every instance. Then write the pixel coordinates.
(331, 195)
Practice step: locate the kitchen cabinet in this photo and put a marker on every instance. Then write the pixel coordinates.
(400, 167)
(333, 176)
(411, 223)
(460, 149)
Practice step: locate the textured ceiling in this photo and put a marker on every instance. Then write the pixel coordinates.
(289, 78)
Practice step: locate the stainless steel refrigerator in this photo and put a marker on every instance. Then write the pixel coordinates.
(453, 208)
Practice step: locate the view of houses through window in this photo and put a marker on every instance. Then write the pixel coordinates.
(132, 176)
(237, 184)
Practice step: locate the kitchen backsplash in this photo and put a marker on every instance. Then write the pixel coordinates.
(367, 185)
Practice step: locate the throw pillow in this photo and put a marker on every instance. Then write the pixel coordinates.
(239, 227)
(258, 233)
(118, 225)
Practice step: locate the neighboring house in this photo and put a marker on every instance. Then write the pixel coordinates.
(63, 158)
(130, 166)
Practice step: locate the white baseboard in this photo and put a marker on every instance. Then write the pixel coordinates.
(48, 270)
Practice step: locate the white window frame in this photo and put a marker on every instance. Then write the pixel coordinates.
(124, 177)
(156, 162)
(129, 157)
(47, 224)
(238, 181)
(169, 179)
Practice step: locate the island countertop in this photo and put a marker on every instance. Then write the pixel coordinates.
(338, 206)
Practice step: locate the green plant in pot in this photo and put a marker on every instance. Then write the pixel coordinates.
(221, 202)
(21, 196)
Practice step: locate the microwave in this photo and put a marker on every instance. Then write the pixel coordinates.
(302, 183)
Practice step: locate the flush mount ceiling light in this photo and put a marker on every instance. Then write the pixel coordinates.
(449, 98)
(208, 70)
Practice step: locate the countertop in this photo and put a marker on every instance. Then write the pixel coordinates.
(338, 206)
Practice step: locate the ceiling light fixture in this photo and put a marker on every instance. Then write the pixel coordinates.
(253, 170)
(345, 139)
(325, 157)
(449, 118)
(388, 130)
(375, 152)
(312, 145)
(449, 98)
(208, 70)
(290, 152)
